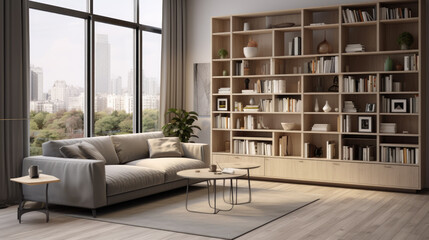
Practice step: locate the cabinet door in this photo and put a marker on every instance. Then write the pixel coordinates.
(292, 169)
(398, 176)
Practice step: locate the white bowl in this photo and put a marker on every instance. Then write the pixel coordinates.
(288, 126)
(250, 52)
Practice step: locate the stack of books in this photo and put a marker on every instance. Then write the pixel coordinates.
(270, 86)
(358, 15)
(330, 149)
(402, 155)
(224, 90)
(363, 84)
(321, 127)
(267, 105)
(247, 91)
(284, 145)
(322, 65)
(411, 62)
(387, 127)
(249, 122)
(364, 153)
(252, 147)
(347, 124)
(349, 106)
(223, 122)
(289, 105)
(294, 46)
(355, 48)
(238, 106)
(395, 13)
(251, 108)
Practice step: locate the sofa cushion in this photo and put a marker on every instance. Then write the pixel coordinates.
(131, 147)
(123, 178)
(72, 151)
(170, 166)
(165, 147)
(89, 150)
(102, 144)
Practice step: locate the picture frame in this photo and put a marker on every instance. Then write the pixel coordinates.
(370, 107)
(222, 104)
(399, 106)
(365, 124)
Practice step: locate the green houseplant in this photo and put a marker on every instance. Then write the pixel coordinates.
(222, 53)
(405, 40)
(181, 125)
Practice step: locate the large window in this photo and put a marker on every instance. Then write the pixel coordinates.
(57, 78)
(86, 65)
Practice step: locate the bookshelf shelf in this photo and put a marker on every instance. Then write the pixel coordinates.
(289, 55)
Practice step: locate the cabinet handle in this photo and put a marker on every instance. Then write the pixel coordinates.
(301, 161)
(388, 166)
(336, 164)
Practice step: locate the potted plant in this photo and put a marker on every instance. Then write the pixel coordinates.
(181, 125)
(222, 53)
(405, 40)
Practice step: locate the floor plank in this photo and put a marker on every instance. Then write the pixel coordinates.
(341, 213)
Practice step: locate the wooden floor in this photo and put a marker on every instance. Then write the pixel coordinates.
(341, 213)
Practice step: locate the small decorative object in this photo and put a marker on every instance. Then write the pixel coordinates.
(370, 107)
(252, 101)
(397, 86)
(388, 64)
(181, 124)
(287, 126)
(316, 105)
(327, 108)
(399, 105)
(334, 87)
(251, 50)
(213, 168)
(222, 53)
(261, 123)
(246, 26)
(324, 46)
(33, 171)
(405, 40)
(365, 124)
(336, 109)
(399, 67)
(225, 73)
(318, 152)
(222, 104)
(246, 83)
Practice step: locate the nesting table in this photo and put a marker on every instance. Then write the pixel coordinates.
(206, 175)
(42, 179)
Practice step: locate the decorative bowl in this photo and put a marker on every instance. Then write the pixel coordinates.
(288, 126)
(250, 52)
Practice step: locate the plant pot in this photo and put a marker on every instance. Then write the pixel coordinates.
(404, 46)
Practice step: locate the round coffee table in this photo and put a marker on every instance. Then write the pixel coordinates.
(205, 175)
(243, 166)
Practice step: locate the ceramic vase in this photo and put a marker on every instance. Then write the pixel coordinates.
(327, 108)
(316, 105)
(388, 64)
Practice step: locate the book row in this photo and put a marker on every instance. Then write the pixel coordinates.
(322, 65)
(358, 15)
(355, 152)
(363, 84)
(253, 147)
(402, 155)
(402, 105)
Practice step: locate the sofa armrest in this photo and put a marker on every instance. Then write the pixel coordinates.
(82, 181)
(198, 151)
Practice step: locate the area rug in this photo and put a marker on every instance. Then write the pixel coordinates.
(166, 211)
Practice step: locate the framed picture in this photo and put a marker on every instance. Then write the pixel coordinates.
(370, 107)
(365, 124)
(399, 106)
(222, 104)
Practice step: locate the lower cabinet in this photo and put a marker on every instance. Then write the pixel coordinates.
(343, 172)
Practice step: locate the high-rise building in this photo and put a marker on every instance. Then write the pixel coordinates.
(130, 82)
(102, 63)
(34, 86)
(115, 86)
(60, 94)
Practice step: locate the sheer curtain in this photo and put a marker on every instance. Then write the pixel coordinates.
(173, 56)
(13, 96)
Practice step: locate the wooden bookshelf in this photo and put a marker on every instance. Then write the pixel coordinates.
(274, 64)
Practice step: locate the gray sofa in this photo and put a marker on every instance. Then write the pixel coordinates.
(127, 172)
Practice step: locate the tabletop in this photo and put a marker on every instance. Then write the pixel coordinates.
(204, 173)
(43, 179)
(239, 165)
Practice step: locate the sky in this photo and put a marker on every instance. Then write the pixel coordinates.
(57, 42)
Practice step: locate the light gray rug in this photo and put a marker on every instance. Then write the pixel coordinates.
(166, 211)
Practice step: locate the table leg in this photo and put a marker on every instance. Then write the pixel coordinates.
(47, 203)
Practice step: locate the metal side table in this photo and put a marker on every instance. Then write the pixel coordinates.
(241, 166)
(42, 179)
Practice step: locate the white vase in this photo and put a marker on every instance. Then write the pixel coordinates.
(327, 108)
(316, 106)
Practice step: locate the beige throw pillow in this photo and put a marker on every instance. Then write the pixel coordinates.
(92, 152)
(72, 151)
(165, 147)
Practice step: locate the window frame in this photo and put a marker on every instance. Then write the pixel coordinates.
(90, 20)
